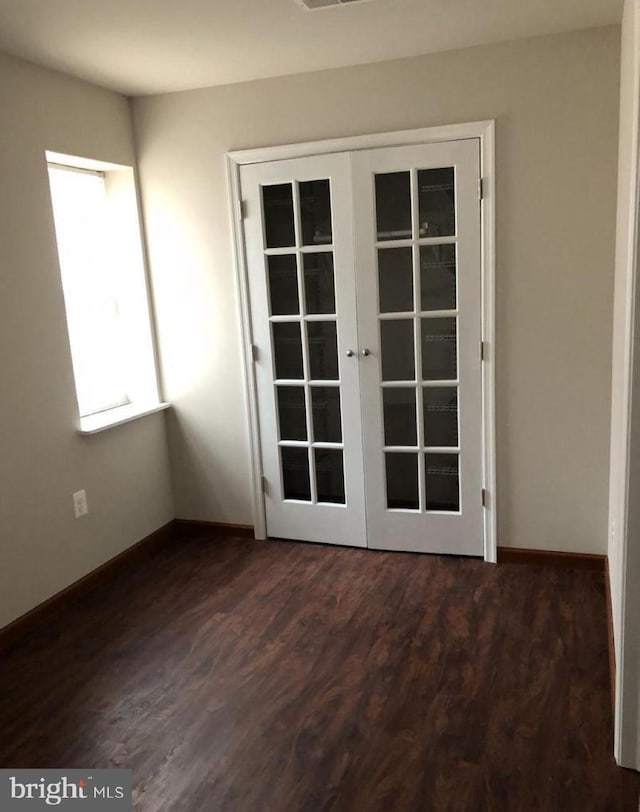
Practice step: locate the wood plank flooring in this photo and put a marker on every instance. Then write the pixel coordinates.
(238, 676)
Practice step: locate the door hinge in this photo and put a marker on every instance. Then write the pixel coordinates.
(263, 484)
(483, 353)
(242, 209)
(484, 497)
(254, 353)
(480, 188)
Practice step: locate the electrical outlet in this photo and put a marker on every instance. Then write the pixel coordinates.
(80, 507)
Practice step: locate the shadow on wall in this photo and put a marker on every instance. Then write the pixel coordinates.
(200, 476)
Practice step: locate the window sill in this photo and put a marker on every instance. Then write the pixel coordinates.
(117, 417)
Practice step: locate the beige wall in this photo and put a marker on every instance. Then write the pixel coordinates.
(42, 457)
(555, 100)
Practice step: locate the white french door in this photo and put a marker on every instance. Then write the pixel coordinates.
(364, 286)
(299, 242)
(417, 237)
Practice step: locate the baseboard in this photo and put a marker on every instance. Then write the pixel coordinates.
(610, 636)
(140, 551)
(245, 531)
(555, 558)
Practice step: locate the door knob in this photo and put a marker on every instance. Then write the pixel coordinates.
(349, 353)
(366, 352)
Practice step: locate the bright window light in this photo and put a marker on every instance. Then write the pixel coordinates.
(104, 285)
(97, 342)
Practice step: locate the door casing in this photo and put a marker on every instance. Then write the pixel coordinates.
(484, 131)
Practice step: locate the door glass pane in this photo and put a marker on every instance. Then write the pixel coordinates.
(315, 212)
(393, 205)
(329, 475)
(398, 357)
(436, 196)
(395, 277)
(277, 202)
(291, 413)
(438, 277)
(325, 405)
(440, 408)
(402, 480)
(319, 290)
(399, 416)
(323, 350)
(439, 352)
(287, 348)
(295, 473)
(442, 482)
(283, 285)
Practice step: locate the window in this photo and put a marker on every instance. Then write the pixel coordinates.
(103, 280)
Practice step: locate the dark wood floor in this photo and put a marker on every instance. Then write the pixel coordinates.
(233, 675)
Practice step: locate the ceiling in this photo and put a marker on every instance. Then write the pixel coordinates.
(152, 46)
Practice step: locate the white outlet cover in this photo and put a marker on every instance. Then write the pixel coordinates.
(80, 507)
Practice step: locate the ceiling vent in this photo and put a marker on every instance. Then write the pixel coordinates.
(315, 4)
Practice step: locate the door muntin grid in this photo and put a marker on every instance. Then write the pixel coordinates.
(416, 251)
(299, 263)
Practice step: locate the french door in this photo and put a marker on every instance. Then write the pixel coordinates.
(299, 242)
(417, 232)
(364, 285)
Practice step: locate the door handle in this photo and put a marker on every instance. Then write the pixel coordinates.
(349, 353)
(366, 352)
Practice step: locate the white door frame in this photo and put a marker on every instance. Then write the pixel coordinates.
(482, 130)
(624, 515)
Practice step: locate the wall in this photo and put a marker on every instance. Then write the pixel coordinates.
(43, 458)
(624, 510)
(555, 100)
